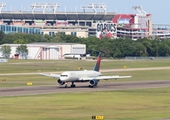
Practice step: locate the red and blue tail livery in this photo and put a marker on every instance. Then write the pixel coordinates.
(97, 66)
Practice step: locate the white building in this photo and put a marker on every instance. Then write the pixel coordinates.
(48, 51)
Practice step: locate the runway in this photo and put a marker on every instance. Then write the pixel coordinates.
(82, 87)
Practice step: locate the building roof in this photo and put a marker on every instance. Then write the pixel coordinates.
(19, 15)
(43, 44)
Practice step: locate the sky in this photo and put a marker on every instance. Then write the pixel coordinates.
(159, 9)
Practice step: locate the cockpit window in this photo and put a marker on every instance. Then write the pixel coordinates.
(64, 75)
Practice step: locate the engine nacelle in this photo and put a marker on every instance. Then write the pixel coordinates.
(60, 82)
(93, 82)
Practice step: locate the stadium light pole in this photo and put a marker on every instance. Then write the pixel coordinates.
(94, 7)
(44, 6)
(65, 9)
(139, 10)
(2, 5)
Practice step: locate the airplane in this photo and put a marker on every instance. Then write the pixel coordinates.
(77, 55)
(91, 76)
(74, 55)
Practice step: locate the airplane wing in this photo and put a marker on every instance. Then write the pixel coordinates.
(50, 75)
(104, 77)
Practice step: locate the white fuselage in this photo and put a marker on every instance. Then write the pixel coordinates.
(72, 56)
(71, 76)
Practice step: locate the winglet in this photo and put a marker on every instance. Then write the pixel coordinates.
(97, 66)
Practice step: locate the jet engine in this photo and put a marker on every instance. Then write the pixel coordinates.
(93, 82)
(61, 82)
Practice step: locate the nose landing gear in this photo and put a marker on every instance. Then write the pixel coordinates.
(66, 85)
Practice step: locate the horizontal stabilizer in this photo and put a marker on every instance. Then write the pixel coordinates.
(50, 75)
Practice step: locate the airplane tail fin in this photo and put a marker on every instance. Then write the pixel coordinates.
(97, 66)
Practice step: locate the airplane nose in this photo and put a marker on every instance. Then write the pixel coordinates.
(63, 79)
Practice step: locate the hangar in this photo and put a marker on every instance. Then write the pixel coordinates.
(48, 51)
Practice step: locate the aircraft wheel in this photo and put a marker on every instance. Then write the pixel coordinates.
(65, 85)
(73, 86)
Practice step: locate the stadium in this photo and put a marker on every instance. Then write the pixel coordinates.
(50, 21)
(92, 20)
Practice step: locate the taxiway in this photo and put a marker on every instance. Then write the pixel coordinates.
(82, 87)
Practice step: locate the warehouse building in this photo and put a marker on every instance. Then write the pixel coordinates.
(47, 51)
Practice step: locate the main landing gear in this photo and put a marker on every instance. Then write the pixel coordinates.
(72, 85)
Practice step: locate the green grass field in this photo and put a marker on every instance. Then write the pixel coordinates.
(142, 104)
(22, 66)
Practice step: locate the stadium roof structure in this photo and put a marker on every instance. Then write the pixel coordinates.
(48, 11)
(19, 15)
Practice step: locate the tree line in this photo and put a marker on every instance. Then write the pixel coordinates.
(21, 50)
(116, 48)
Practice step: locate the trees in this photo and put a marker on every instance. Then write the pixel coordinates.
(120, 47)
(2, 34)
(22, 50)
(6, 51)
(19, 41)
